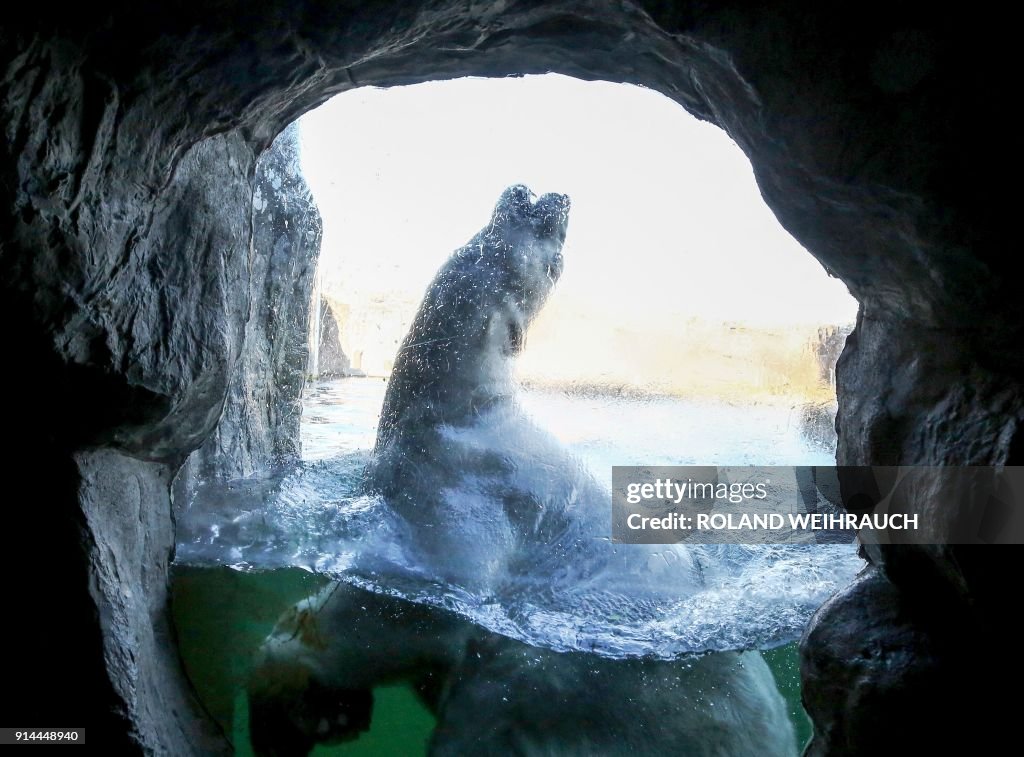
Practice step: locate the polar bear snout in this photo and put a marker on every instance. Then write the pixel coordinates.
(548, 216)
(551, 214)
(527, 234)
(553, 208)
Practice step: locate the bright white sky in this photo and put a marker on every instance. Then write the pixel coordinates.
(666, 218)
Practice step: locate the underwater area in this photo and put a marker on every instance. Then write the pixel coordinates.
(613, 645)
(223, 615)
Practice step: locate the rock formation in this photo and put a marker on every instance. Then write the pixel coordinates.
(259, 425)
(332, 362)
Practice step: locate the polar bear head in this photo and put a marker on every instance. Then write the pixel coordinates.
(524, 245)
(474, 315)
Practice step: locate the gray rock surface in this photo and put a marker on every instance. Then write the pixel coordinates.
(126, 508)
(882, 652)
(259, 425)
(128, 278)
(332, 361)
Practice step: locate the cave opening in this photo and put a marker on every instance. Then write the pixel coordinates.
(679, 282)
(688, 328)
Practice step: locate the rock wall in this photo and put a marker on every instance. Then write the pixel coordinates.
(331, 358)
(127, 178)
(259, 425)
(126, 297)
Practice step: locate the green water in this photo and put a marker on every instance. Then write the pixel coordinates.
(401, 726)
(785, 665)
(223, 615)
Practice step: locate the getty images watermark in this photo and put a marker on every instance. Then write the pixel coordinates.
(793, 505)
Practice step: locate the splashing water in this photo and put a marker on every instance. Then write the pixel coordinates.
(614, 600)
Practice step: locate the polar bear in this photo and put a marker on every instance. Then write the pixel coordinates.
(492, 695)
(455, 362)
(508, 698)
(313, 678)
(489, 497)
(455, 456)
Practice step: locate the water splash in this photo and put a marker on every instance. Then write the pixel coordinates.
(614, 600)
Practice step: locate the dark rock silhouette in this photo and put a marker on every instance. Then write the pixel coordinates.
(332, 362)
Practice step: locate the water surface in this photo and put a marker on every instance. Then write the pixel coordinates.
(286, 533)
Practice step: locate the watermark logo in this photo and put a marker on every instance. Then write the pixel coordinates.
(822, 504)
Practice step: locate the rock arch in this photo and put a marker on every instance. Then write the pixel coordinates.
(127, 176)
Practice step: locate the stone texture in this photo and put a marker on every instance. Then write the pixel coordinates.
(331, 358)
(894, 661)
(259, 425)
(126, 507)
(127, 177)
